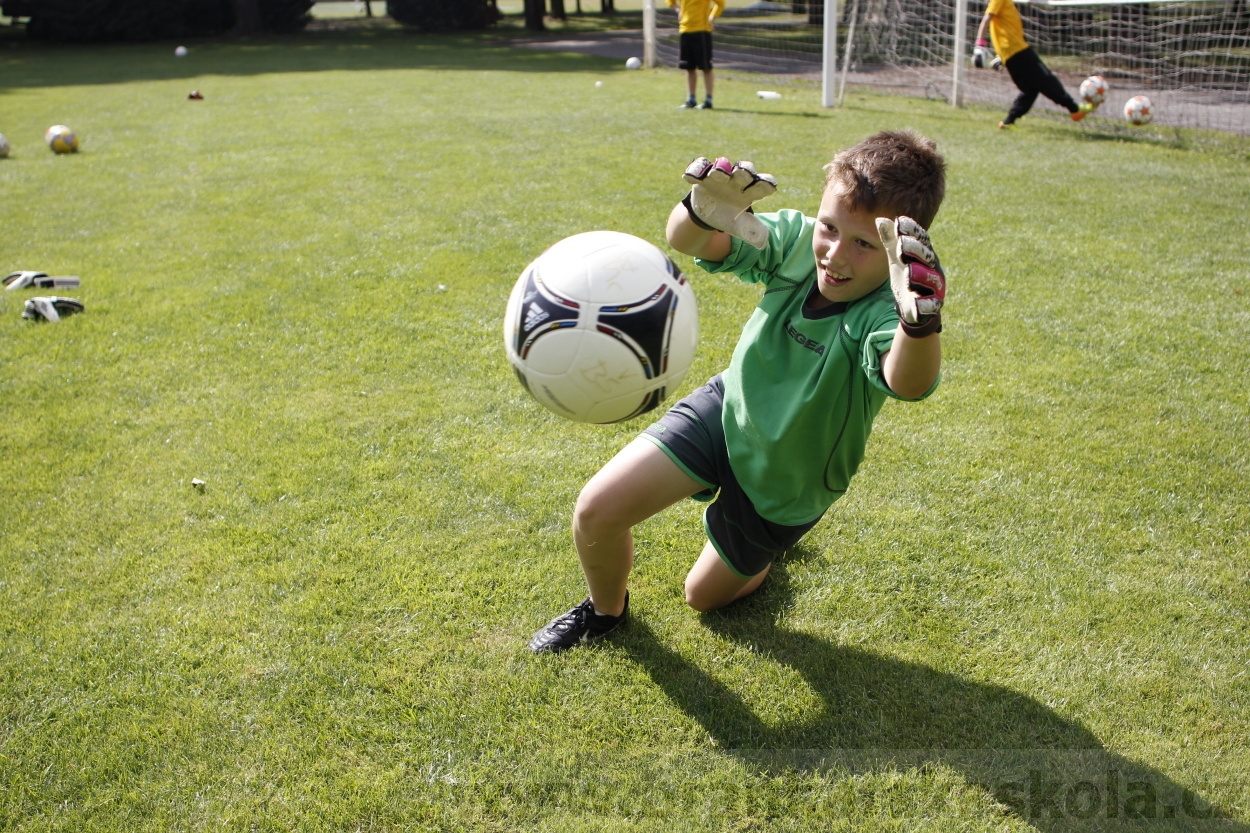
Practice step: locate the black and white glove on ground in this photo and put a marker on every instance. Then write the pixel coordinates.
(916, 277)
(41, 280)
(50, 308)
(721, 194)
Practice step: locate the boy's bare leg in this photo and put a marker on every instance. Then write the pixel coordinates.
(634, 485)
(711, 584)
(692, 84)
(707, 83)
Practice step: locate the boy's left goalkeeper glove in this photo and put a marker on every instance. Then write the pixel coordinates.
(915, 276)
(721, 194)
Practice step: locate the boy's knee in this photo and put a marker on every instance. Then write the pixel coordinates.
(696, 600)
(595, 510)
(702, 598)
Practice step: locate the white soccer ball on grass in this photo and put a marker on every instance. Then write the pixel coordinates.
(633, 63)
(1138, 110)
(601, 327)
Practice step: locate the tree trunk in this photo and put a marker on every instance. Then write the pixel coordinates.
(557, 10)
(246, 18)
(368, 8)
(607, 6)
(534, 15)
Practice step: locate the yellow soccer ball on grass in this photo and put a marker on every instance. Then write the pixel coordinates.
(61, 139)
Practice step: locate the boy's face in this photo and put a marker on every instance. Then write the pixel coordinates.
(850, 258)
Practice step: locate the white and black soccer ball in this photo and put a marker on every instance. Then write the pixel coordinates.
(1138, 110)
(601, 327)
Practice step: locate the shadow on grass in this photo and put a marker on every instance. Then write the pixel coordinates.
(799, 114)
(881, 714)
(26, 63)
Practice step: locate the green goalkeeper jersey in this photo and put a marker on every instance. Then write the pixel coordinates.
(803, 385)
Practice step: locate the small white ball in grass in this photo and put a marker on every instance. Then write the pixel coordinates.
(633, 63)
(181, 52)
(598, 83)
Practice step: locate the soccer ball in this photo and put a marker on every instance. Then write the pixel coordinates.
(61, 139)
(1138, 110)
(1094, 90)
(601, 327)
(633, 63)
(4, 146)
(181, 52)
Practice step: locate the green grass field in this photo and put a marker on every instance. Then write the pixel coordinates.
(1029, 613)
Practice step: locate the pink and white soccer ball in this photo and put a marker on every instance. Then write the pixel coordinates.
(1094, 90)
(1138, 110)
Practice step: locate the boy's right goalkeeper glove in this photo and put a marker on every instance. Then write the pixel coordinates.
(721, 194)
(915, 276)
(983, 56)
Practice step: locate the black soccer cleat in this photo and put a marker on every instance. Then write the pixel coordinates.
(581, 624)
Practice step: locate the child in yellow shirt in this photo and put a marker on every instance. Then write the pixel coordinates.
(695, 29)
(1029, 74)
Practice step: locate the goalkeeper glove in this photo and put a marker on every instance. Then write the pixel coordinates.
(983, 56)
(50, 308)
(42, 280)
(721, 194)
(916, 277)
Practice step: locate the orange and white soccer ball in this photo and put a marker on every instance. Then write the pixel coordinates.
(1094, 90)
(1138, 110)
(61, 139)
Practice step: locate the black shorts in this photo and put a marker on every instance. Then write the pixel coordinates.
(696, 51)
(692, 436)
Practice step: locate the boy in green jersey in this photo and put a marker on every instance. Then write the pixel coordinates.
(849, 316)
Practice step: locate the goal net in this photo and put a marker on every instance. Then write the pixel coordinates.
(1191, 58)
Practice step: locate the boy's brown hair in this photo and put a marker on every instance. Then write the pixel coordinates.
(896, 172)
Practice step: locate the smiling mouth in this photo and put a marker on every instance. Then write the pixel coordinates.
(834, 279)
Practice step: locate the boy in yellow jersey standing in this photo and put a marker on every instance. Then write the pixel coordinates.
(1028, 72)
(695, 28)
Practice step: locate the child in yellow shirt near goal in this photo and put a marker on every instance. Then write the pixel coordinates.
(696, 20)
(1029, 74)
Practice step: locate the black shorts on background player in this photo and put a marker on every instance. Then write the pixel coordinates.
(696, 51)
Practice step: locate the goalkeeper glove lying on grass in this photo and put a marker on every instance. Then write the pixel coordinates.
(50, 308)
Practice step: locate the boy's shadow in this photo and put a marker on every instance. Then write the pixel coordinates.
(879, 714)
